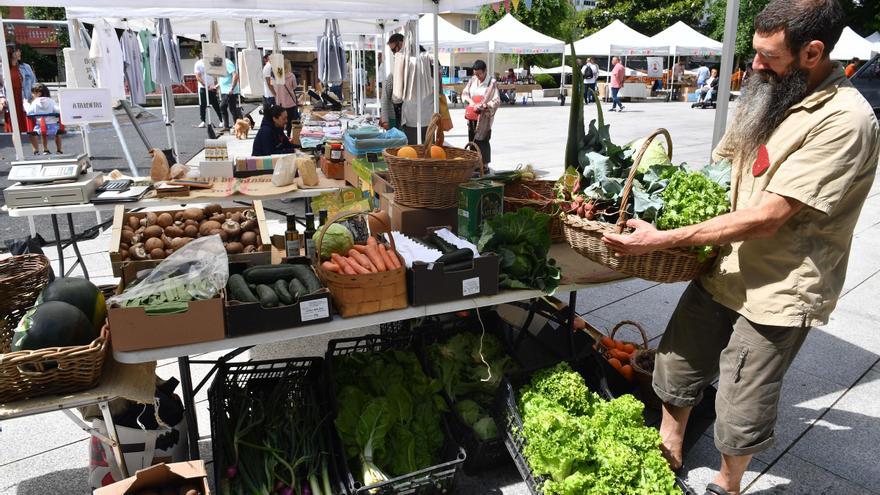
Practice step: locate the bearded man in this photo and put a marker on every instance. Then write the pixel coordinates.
(804, 146)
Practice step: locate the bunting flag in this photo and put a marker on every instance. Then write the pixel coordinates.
(528, 4)
(507, 5)
(496, 6)
(515, 4)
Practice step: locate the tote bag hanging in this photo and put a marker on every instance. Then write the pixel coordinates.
(250, 65)
(331, 56)
(214, 54)
(276, 60)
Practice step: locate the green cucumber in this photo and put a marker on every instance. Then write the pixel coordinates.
(268, 297)
(239, 290)
(444, 246)
(457, 256)
(297, 289)
(268, 274)
(283, 294)
(306, 275)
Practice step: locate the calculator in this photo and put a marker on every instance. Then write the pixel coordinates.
(115, 185)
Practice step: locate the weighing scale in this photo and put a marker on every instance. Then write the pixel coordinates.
(51, 182)
(49, 170)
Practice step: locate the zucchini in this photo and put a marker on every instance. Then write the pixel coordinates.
(283, 294)
(457, 256)
(239, 290)
(268, 274)
(306, 275)
(268, 297)
(444, 246)
(297, 289)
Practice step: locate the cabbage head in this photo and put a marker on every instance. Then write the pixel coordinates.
(654, 155)
(337, 239)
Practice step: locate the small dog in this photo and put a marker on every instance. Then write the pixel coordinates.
(241, 128)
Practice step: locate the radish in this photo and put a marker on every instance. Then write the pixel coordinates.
(232, 471)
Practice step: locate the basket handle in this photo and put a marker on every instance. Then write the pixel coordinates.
(627, 188)
(473, 147)
(431, 134)
(631, 323)
(348, 214)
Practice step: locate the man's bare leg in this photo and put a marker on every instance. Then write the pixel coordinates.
(672, 433)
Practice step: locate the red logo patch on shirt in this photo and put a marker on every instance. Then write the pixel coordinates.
(762, 162)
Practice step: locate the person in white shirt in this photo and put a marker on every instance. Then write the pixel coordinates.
(207, 92)
(45, 112)
(590, 71)
(268, 87)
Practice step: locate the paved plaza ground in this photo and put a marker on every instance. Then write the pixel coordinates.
(827, 435)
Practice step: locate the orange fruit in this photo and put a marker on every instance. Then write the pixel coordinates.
(438, 153)
(407, 152)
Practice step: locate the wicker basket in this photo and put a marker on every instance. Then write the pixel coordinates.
(539, 196)
(429, 182)
(363, 294)
(21, 280)
(666, 265)
(638, 346)
(55, 370)
(645, 377)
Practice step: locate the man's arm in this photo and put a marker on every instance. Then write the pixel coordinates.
(270, 85)
(234, 82)
(757, 222)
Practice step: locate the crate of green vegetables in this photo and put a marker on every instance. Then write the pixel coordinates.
(261, 298)
(271, 429)
(392, 433)
(566, 439)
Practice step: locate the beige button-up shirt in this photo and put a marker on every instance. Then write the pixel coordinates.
(824, 155)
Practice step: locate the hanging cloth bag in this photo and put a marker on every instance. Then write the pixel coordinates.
(250, 65)
(214, 54)
(276, 60)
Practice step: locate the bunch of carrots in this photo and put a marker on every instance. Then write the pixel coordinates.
(364, 259)
(620, 354)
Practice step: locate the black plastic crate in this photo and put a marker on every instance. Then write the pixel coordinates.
(438, 479)
(303, 373)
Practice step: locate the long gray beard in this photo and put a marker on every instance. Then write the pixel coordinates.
(763, 105)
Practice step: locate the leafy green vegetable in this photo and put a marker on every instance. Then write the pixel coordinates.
(654, 155)
(522, 240)
(337, 239)
(485, 428)
(691, 198)
(584, 445)
(389, 417)
(469, 411)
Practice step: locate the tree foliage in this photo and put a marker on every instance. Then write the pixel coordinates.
(648, 17)
(554, 18)
(50, 14)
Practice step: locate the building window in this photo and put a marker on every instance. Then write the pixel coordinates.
(472, 25)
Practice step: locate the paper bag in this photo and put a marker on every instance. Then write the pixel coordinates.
(307, 170)
(284, 171)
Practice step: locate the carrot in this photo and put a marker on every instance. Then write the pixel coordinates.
(607, 342)
(343, 264)
(615, 363)
(629, 348)
(355, 264)
(333, 267)
(360, 248)
(371, 241)
(394, 259)
(363, 260)
(619, 345)
(376, 257)
(386, 256)
(617, 353)
(627, 371)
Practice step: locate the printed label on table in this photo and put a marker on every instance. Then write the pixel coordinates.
(470, 286)
(314, 310)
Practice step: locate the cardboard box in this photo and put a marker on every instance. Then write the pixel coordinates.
(132, 329)
(350, 175)
(478, 201)
(250, 318)
(415, 222)
(427, 283)
(331, 169)
(174, 475)
(120, 218)
(382, 182)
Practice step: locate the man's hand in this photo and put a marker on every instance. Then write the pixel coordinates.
(644, 239)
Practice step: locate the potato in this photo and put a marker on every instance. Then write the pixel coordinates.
(134, 222)
(126, 236)
(191, 231)
(174, 231)
(153, 243)
(157, 254)
(206, 227)
(151, 218)
(164, 220)
(212, 209)
(193, 214)
(234, 247)
(248, 238)
(153, 231)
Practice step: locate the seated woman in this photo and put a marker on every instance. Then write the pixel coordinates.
(270, 138)
(706, 93)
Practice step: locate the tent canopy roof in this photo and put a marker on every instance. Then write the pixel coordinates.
(618, 39)
(511, 36)
(874, 38)
(852, 45)
(685, 40)
(449, 37)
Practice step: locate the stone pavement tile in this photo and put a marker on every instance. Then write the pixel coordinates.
(846, 441)
(593, 298)
(60, 471)
(804, 398)
(35, 435)
(792, 475)
(855, 320)
(703, 461)
(827, 356)
(652, 308)
(863, 260)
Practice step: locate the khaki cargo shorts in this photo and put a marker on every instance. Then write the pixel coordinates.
(705, 339)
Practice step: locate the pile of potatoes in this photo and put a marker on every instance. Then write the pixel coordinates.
(155, 236)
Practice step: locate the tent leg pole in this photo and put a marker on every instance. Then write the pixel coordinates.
(418, 125)
(730, 25)
(118, 129)
(437, 84)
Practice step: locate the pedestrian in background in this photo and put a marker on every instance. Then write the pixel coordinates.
(19, 87)
(618, 74)
(590, 72)
(268, 88)
(207, 92)
(480, 94)
(229, 91)
(852, 67)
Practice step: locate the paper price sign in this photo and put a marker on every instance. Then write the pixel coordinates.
(314, 310)
(85, 105)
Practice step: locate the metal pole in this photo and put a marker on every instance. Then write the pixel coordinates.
(125, 151)
(376, 60)
(730, 23)
(76, 43)
(436, 58)
(12, 99)
(418, 88)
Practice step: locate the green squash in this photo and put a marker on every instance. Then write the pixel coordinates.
(53, 324)
(78, 292)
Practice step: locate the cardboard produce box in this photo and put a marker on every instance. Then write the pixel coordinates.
(428, 283)
(121, 217)
(132, 329)
(381, 182)
(249, 318)
(415, 222)
(478, 201)
(191, 474)
(331, 169)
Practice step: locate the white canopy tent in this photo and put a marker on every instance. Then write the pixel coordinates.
(684, 40)
(449, 37)
(851, 45)
(509, 35)
(618, 39)
(874, 38)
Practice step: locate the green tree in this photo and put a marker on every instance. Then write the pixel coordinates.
(45, 67)
(554, 18)
(648, 17)
(50, 14)
(748, 10)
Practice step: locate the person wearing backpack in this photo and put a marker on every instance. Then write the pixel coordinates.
(590, 72)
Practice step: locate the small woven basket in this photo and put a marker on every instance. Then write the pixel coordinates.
(645, 340)
(645, 376)
(54, 370)
(22, 278)
(363, 294)
(431, 182)
(667, 265)
(539, 196)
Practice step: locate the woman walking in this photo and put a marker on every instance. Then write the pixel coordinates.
(480, 95)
